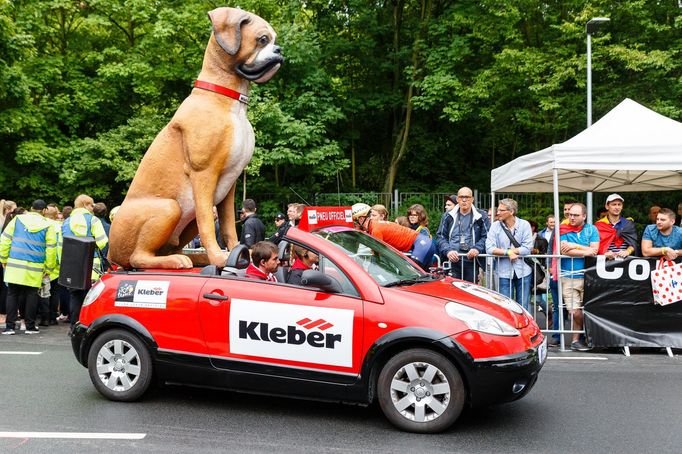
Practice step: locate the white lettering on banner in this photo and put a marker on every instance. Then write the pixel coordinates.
(147, 294)
(638, 269)
(642, 265)
(318, 335)
(333, 216)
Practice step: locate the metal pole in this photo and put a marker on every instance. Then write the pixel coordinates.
(590, 28)
(589, 80)
(589, 114)
(557, 251)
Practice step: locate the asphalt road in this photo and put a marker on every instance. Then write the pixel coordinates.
(594, 402)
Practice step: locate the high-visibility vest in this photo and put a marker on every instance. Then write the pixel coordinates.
(58, 230)
(28, 249)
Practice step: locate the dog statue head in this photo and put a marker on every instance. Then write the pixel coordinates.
(249, 40)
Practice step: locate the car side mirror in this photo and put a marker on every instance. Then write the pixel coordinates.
(317, 279)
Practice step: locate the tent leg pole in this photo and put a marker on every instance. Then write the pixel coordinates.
(557, 251)
(670, 352)
(492, 205)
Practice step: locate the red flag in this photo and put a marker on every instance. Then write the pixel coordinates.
(607, 235)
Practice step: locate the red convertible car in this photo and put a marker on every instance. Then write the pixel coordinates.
(367, 325)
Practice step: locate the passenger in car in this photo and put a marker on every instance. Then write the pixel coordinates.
(264, 262)
(304, 260)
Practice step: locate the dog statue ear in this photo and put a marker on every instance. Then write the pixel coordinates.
(227, 27)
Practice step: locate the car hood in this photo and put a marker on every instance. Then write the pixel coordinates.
(474, 296)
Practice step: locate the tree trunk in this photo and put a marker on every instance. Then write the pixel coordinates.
(401, 139)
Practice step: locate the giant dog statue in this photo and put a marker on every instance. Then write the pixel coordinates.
(195, 160)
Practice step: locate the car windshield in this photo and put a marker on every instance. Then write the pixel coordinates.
(386, 267)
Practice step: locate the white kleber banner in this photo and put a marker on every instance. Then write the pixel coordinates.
(316, 335)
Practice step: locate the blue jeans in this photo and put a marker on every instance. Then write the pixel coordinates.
(520, 286)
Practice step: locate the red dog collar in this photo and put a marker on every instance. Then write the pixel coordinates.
(222, 90)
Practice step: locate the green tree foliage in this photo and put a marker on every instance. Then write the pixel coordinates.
(416, 94)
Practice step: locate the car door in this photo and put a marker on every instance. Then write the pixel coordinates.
(281, 329)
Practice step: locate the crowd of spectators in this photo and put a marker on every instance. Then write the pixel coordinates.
(463, 233)
(30, 253)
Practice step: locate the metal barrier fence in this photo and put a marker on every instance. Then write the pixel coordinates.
(544, 301)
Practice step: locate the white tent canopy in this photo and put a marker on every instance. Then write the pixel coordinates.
(631, 148)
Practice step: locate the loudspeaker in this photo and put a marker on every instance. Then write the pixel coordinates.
(76, 265)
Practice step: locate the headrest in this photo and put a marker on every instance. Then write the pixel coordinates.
(239, 257)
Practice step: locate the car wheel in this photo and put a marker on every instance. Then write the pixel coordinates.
(120, 365)
(420, 391)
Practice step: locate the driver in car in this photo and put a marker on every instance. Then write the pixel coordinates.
(402, 238)
(264, 262)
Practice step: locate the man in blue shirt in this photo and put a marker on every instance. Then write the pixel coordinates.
(663, 238)
(578, 240)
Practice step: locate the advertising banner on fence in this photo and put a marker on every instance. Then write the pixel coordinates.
(620, 309)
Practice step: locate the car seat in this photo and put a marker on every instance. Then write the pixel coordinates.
(282, 273)
(237, 261)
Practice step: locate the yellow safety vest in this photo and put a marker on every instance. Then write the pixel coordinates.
(28, 249)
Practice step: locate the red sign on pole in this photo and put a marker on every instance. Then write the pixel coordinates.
(317, 217)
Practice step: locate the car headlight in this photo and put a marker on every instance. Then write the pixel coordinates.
(93, 293)
(479, 320)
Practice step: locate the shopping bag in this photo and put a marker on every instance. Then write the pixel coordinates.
(666, 282)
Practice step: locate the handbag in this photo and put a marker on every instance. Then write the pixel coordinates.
(538, 270)
(666, 282)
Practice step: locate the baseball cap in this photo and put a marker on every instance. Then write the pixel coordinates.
(280, 217)
(39, 205)
(613, 197)
(452, 198)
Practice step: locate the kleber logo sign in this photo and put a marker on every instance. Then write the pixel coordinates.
(319, 323)
(147, 294)
(318, 335)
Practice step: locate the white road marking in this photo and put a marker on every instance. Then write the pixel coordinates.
(21, 353)
(596, 358)
(75, 435)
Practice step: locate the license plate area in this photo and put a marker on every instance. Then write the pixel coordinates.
(542, 351)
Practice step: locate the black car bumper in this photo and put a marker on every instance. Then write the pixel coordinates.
(505, 379)
(77, 337)
(500, 379)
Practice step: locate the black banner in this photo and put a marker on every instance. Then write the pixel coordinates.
(619, 306)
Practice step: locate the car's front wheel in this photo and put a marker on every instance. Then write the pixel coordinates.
(120, 365)
(421, 391)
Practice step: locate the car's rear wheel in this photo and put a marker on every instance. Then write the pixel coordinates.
(421, 391)
(120, 365)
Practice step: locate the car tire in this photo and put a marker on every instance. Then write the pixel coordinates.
(120, 365)
(420, 391)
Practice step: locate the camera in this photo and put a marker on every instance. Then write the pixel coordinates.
(463, 247)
